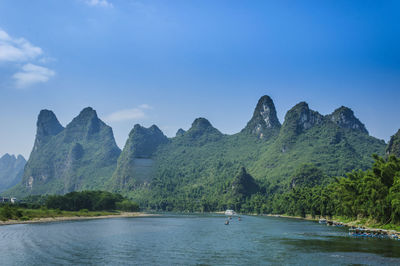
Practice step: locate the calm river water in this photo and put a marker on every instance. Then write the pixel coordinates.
(190, 240)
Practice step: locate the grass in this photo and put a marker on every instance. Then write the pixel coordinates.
(22, 214)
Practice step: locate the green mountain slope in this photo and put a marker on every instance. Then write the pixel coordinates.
(394, 145)
(11, 170)
(335, 146)
(82, 155)
(198, 169)
(195, 170)
(135, 164)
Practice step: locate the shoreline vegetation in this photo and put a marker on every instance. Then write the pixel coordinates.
(369, 198)
(57, 216)
(71, 206)
(364, 223)
(72, 216)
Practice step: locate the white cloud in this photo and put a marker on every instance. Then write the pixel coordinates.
(16, 49)
(102, 3)
(145, 106)
(137, 113)
(32, 74)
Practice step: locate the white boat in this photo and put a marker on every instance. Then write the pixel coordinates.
(322, 221)
(230, 212)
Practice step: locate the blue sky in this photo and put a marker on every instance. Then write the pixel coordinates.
(168, 62)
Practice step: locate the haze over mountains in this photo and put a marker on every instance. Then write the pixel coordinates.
(198, 163)
(11, 170)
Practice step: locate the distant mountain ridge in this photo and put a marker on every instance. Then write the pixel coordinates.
(11, 170)
(201, 163)
(198, 164)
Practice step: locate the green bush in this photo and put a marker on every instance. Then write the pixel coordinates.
(128, 206)
(6, 213)
(85, 200)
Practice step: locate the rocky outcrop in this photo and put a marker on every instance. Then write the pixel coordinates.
(264, 122)
(300, 118)
(344, 118)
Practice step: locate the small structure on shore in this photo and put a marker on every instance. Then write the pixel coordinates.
(4, 200)
(230, 212)
(8, 200)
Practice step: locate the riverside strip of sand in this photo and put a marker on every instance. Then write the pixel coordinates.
(72, 218)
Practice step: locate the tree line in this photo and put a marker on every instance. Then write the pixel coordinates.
(42, 205)
(90, 200)
(373, 193)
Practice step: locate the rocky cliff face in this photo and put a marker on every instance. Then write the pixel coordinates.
(135, 163)
(82, 155)
(264, 122)
(344, 118)
(298, 120)
(393, 147)
(303, 116)
(11, 170)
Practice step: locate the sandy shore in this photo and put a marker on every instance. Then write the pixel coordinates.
(72, 218)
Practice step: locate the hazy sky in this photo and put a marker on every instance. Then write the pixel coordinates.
(168, 62)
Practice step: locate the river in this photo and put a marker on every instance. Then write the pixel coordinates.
(190, 240)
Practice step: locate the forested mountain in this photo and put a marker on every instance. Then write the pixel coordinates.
(135, 164)
(394, 145)
(373, 194)
(197, 169)
(11, 170)
(83, 155)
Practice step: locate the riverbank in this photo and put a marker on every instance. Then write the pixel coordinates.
(88, 216)
(364, 223)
